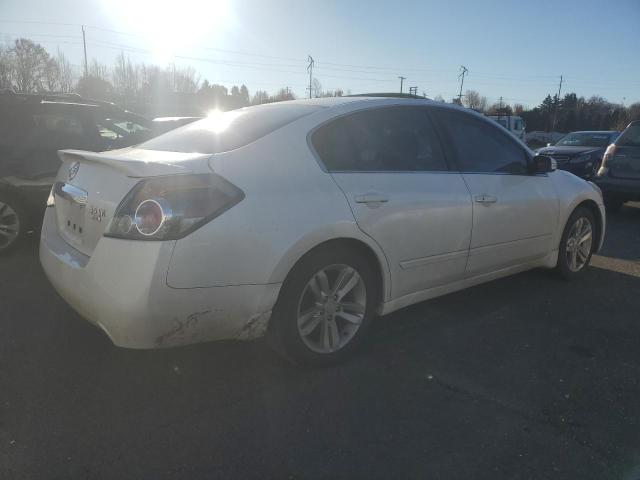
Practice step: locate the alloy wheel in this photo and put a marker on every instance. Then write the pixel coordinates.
(9, 225)
(331, 308)
(578, 245)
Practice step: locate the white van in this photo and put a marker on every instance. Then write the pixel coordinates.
(512, 123)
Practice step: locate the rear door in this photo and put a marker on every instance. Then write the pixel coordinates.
(514, 212)
(390, 166)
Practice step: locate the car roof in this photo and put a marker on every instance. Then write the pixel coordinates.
(377, 99)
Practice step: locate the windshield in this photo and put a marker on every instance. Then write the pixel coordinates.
(630, 137)
(224, 131)
(584, 139)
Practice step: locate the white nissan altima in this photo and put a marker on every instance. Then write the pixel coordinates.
(303, 220)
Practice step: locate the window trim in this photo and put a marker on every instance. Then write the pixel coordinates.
(424, 108)
(450, 152)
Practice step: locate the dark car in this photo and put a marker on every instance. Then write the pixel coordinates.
(32, 130)
(619, 175)
(580, 152)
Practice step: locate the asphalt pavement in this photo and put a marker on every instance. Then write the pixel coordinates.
(528, 377)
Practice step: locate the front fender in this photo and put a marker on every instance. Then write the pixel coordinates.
(573, 191)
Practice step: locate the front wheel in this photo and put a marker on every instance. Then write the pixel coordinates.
(326, 306)
(577, 244)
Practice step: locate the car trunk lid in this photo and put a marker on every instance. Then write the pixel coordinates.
(89, 187)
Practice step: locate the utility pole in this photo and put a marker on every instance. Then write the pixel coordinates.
(463, 72)
(555, 110)
(402, 79)
(310, 70)
(413, 91)
(84, 43)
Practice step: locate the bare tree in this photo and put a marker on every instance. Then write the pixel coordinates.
(52, 75)
(98, 70)
(183, 80)
(474, 100)
(6, 68)
(317, 88)
(29, 61)
(126, 78)
(260, 97)
(65, 73)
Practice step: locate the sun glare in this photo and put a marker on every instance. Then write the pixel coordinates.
(218, 121)
(169, 26)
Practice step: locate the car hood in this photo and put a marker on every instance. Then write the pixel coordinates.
(571, 151)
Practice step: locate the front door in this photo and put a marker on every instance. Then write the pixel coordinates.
(514, 212)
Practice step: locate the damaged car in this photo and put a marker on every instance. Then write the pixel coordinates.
(303, 220)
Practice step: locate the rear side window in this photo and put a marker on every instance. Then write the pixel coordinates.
(224, 131)
(481, 147)
(59, 122)
(630, 137)
(383, 139)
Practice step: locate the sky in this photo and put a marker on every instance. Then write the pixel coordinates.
(514, 49)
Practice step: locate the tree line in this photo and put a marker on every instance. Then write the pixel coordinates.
(566, 114)
(27, 67)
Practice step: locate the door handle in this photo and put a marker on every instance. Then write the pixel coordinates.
(484, 198)
(371, 197)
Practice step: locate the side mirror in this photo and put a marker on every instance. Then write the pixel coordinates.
(543, 164)
(548, 144)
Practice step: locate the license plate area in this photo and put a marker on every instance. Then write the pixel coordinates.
(71, 205)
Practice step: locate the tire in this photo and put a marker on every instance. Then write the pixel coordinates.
(13, 223)
(575, 251)
(292, 332)
(612, 203)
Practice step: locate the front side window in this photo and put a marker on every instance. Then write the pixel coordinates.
(382, 139)
(61, 122)
(480, 147)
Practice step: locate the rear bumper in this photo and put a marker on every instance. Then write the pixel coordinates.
(122, 289)
(627, 188)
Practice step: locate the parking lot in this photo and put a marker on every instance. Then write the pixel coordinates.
(525, 377)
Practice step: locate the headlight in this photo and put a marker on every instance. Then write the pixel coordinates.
(168, 208)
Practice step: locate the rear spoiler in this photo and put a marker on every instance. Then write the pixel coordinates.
(140, 163)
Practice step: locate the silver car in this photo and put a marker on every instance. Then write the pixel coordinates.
(303, 220)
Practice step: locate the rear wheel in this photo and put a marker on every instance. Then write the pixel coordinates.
(13, 223)
(577, 244)
(326, 307)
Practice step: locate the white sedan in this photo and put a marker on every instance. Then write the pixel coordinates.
(303, 220)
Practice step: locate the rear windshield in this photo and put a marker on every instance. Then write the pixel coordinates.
(224, 131)
(630, 137)
(585, 139)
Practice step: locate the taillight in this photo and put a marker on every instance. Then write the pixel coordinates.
(168, 208)
(608, 155)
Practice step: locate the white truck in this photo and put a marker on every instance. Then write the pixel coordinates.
(513, 123)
